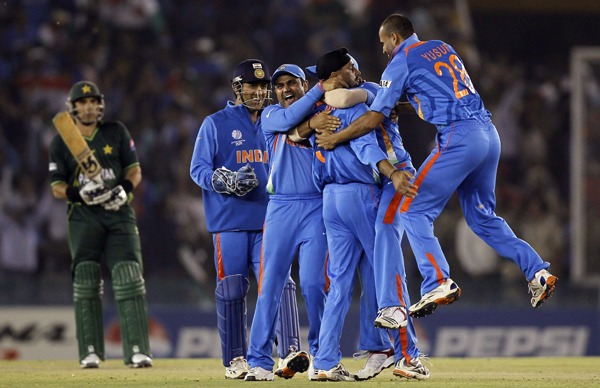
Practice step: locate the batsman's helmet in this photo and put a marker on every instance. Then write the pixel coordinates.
(251, 71)
(83, 89)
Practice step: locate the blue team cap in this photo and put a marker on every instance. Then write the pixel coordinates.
(312, 70)
(288, 68)
(250, 71)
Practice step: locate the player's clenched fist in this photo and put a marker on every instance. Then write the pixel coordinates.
(94, 193)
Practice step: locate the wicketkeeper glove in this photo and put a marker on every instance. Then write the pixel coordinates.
(118, 198)
(93, 193)
(239, 182)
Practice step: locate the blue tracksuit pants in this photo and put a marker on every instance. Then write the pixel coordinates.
(349, 212)
(390, 276)
(293, 224)
(465, 160)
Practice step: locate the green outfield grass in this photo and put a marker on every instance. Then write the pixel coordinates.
(445, 372)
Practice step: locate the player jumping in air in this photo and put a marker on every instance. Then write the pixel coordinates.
(101, 222)
(465, 160)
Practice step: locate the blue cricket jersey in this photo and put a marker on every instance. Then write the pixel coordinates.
(434, 79)
(290, 163)
(355, 161)
(229, 138)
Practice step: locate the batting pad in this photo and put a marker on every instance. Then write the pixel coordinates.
(130, 294)
(232, 320)
(87, 292)
(288, 326)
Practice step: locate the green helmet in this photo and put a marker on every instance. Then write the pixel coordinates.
(83, 89)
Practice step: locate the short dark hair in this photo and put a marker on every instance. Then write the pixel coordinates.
(399, 24)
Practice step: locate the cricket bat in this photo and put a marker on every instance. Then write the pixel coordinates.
(78, 146)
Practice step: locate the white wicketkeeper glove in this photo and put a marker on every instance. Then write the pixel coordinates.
(117, 199)
(239, 182)
(94, 193)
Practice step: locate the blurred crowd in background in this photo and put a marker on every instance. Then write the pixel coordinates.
(164, 65)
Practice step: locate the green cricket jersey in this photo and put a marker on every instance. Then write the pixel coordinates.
(113, 147)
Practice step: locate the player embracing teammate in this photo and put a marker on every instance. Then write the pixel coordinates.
(370, 196)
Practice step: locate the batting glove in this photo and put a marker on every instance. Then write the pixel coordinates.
(117, 199)
(94, 193)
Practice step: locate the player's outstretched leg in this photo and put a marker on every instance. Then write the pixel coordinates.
(230, 295)
(130, 294)
(87, 293)
(292, 360)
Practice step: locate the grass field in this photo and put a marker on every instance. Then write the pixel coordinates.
(445, 372)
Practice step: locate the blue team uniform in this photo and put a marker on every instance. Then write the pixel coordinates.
(230, 139)
(390, 275)
(293, 224)
(465, 159)
(350, 180)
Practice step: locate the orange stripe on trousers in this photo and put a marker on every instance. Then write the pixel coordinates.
(326, 277)
(419, 180)
(392, 209)
(260, 272)
(402, 332)
(440, 276)
(221, 271)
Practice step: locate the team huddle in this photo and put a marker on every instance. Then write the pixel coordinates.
(322, 176)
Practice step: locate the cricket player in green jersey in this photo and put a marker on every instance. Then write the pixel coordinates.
(101, 223)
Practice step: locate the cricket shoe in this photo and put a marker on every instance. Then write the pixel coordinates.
(259, 374)
(90, 361)
(376, 362)
(140, 360)
(337, 373)
(541, 287)
(295, 362)
(391, 318)
(411, 370)
(445, 293)
(238, 368)
(312, 372)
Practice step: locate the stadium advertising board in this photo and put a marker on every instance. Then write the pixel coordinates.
(44, 333)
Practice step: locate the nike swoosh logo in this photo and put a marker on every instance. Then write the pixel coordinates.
(268, 114)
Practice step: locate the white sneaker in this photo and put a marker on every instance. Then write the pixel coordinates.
(259, 374)
(337, 373)
(295, 362)
(446, 293)
(392, 318)
(140, 360)
(91, 361)
(411, 370)
(312, 372)
(376, 362)
(238, 368)
(541, 287)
